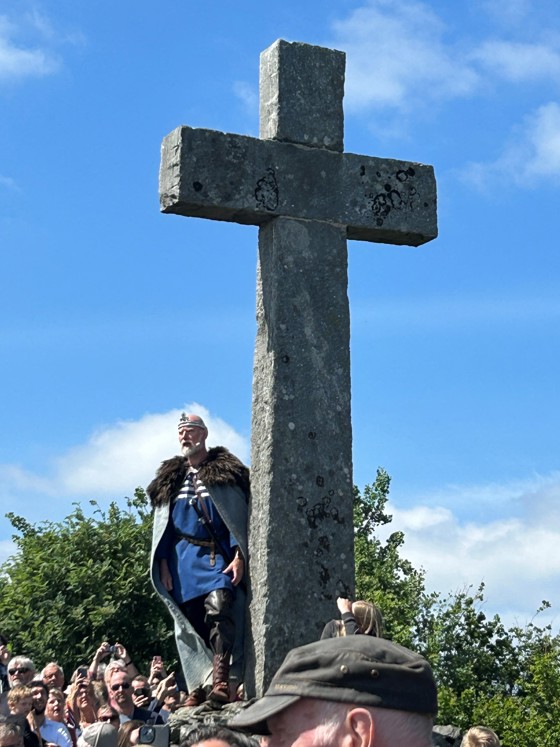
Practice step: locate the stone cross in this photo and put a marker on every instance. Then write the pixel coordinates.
(308, 197)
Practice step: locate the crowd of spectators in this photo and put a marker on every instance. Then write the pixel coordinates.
(106, 703)
(109, 694)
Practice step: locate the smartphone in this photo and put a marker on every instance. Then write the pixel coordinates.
(156, 735)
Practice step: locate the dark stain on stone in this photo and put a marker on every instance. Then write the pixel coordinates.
(266, 191)
(320, 481)
(324, 576)
(285, 359)
(324, 542)
(197, 186)
(312, 435)
(342, 589)
(387, 188)
(379, 222)
(362, 170)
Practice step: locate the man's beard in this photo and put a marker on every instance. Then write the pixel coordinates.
(192, 449)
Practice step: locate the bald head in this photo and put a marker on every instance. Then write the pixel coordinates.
(192, 437)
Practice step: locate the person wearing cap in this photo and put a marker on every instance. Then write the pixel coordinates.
(359, 691)
(198, 562)
(100, 734)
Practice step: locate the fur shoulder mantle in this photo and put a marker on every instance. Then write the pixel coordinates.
(221, 467)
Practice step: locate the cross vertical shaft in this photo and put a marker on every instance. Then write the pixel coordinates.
(301, 532)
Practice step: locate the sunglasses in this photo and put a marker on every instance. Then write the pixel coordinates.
(120, 686)
(114, 717)
(18, 670)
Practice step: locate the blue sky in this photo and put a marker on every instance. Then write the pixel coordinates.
(114, 317)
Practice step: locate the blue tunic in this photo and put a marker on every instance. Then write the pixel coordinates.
(190, 565)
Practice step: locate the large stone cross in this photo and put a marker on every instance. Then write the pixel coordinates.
(308, 198)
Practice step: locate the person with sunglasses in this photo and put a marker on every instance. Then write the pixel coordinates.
(108, 715)
(21, 671)
(120, 698)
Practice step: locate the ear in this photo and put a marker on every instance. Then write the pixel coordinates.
(361, 727)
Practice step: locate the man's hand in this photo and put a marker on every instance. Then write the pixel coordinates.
(237, 569)
(5, 655)
(165, 575)
(344, 605)
(166, 687)
(103, 651)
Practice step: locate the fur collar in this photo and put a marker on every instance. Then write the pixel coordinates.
(221, 467)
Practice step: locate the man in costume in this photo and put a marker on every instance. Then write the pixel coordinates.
(199, 557)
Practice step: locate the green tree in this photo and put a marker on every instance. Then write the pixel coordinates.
(383, 576)
(505, 678)
(74, 583)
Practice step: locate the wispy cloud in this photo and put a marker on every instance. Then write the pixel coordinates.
(398, 57)
(19, 59)
(7, 182)
(531, 156)
(517, 556)
(114, 461)
(248, 95)
(519, 62)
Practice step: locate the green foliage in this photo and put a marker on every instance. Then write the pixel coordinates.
(74, 583)
(505, 678)
(383, 576)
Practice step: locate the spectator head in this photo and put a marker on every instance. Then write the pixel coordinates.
(108, 715)
(141, 691)
(11, 734)
(120, 692)
(127, 737)
(55, 705)
(480, 736)
(20, 700)
(368, 618)
(216, 735)
(21, 671)
(338, 689)
(40, 694)
(116, 665)
(99, 735)
(53, 675)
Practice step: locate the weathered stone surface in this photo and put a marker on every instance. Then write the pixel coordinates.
(307, 197)
(313, 116)
(210, 174)
(301, 532)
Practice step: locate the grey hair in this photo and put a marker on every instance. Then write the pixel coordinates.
(21, 661)
(59, 669)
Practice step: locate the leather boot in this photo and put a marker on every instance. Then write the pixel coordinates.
(220, 679)
(195, 698)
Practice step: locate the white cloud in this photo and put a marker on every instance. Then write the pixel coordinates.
(7, 548)
(397, 57)
(113, 462)
(519, 61)
(18, 60)
(531, 157)
(517, 556)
